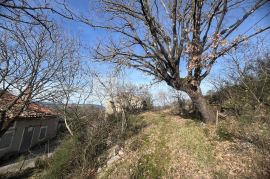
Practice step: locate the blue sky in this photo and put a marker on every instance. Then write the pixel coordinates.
(91, 37)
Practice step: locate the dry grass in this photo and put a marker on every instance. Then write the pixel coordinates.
(172, 147)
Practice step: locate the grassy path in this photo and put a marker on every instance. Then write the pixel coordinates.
(172, 147)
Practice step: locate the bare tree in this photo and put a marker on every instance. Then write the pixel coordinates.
(179, 101)
(30, 60)
(245, 84)
(163, 98)
(31, 12)
(159, 37)
(75, 86)
(107, 89)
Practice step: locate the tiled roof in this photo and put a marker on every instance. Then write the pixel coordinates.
(32, 110)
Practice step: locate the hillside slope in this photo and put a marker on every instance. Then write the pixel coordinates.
(173, 147)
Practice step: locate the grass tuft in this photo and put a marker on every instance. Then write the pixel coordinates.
(61, 160)
(148, 166)
(223, 132)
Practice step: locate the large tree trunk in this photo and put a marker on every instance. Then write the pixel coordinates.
(200, 103)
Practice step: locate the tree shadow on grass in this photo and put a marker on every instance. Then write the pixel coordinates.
(190, 114)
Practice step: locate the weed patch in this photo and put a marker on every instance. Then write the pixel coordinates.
(223, 132)
(41, 164)
(61, 160)
(148, 166)
(135, 125)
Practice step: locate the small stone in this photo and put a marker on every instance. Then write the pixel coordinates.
(112, 152)
(121, 152)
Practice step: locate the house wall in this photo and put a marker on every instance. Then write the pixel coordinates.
(18, 131)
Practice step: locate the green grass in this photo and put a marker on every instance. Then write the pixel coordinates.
(61, 159)
(173, 147)
(41, 163)
(223, 132)
(134, 126)
(194, 139)
(139, 142)
(154, 164)
(149, 166)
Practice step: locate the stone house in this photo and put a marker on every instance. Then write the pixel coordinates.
(36, 124)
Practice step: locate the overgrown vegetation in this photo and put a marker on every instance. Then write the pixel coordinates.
(245, 91)
(82, 154)
(243, 96)
(62, 160)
